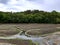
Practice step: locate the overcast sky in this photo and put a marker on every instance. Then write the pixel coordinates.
(22, 5)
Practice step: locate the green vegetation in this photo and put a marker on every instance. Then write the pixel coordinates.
(30, 16)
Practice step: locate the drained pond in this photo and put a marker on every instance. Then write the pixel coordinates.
(38, 40)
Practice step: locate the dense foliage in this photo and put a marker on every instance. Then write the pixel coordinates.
(30, 16)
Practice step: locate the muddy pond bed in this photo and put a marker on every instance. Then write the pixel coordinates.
(16, 42)
(29, 34)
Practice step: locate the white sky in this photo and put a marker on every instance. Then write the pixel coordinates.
(22, 5)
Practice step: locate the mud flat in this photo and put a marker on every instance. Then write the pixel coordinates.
(29, 26)
(15, 42)
(38, 29)
(39, 32)
(8, 32)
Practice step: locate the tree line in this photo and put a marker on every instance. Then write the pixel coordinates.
(30, 16)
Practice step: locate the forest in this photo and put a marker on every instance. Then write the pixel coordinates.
(30, 16)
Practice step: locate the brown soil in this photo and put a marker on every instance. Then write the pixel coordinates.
(11, 29)
(29, 26)
(8, 32)
(41, 32)
(17, 42)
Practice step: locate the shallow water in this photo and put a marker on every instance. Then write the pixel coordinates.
(39, 40)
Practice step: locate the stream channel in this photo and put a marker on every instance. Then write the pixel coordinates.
(40, 40)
